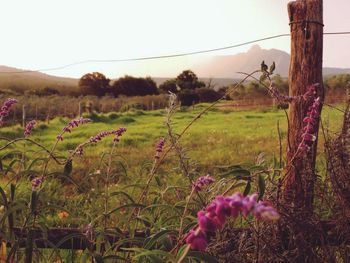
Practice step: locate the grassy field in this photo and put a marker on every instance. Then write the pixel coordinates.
(224, 135)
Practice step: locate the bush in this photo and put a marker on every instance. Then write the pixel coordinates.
(113, 116)
(207, 95)
(188, 97)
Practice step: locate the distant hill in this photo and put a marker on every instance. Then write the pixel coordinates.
(227, 66)
(222, 70)
(17, 80)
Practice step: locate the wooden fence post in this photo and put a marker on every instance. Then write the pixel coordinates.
(306, 25)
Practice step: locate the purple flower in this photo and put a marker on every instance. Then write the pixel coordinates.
(29, 127)
(119, 133)
(206, 224)
(5, 109)
(309, 130)
(159, 148)
(72, 124)
(101, 135)
(310, 91)
(37, 181)
(275, 93)
(264, 211)
(197, 240)
(216, 213)
(202, 181)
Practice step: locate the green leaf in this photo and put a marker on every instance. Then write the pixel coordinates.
(68, 237)
(152, 240)
(238, 173)
(125, 206)
(247, 189)
(159, 183)
(12, 192)
(68, 167)
(261, 185)
(154, 252)
(113, 257)
(272, 67)
(35, 161)
(3, 195)
(124, 194)
(202, 256)
(33, 201)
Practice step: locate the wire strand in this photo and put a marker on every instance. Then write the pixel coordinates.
(161, 56)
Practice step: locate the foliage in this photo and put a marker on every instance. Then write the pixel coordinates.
(131, 86)
(188, 97)
(187, 79)
(87, 181)
(169, 86)
(208, 95)
(94, 83)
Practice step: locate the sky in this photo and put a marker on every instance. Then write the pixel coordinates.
(39, 34)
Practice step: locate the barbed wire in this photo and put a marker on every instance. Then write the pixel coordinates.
(161, 56)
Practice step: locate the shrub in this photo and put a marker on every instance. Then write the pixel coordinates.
(188, 97)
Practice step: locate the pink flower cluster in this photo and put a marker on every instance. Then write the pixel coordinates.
(309, 130)
(159, 148)
(29, 127)
(119, 133)
(72, 124)
(217, 212)
(5, 109)
(310, 92)
(313, 113)
(37, 181)
(202, 181)
(100, 136)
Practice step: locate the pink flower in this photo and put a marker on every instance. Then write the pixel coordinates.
(159, 148)
(29, 127)
(216, 213)
(5, 109)
(37, 181)
(202, 181)
(197, 240)
(72, 124)
(309, 130)
(119, 133)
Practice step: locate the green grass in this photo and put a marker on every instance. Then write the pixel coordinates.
(219, 137)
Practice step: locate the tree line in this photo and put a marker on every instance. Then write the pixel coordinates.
(187, 85)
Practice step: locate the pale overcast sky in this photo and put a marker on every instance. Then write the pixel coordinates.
(48, 33)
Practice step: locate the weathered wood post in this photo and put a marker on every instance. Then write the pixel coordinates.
(306, 26)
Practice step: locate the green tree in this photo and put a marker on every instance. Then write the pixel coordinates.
(169, 85)
(131, 86)
(189, 80)
(94, 83)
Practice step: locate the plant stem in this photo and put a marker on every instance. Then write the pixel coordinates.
(184, 213)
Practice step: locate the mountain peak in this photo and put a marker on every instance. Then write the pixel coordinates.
(254, 48)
